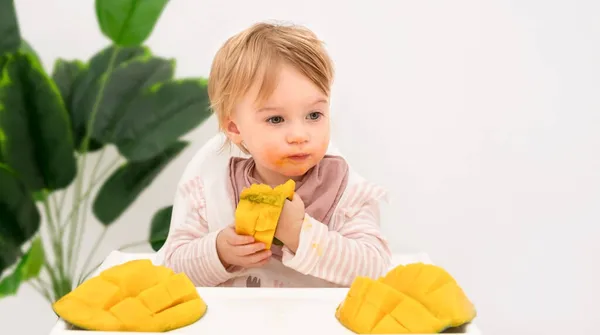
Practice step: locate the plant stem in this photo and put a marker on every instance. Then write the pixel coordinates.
(88, 192)
(53, 279)
(56, 241)
(91, 254)
(42, 283)
(133, 244)
(51, 223)
(47, 288)
(86, 141)
(82, 218)
(75, 211)
(55, 206)
(84, 277)
(62, 203)
(41, 291)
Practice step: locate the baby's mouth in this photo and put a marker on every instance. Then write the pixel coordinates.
(298, 157)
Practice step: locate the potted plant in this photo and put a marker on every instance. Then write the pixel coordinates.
(123, 97)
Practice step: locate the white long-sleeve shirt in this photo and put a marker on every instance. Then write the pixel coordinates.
(328, 255)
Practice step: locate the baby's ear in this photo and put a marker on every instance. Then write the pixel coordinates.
(232, 132)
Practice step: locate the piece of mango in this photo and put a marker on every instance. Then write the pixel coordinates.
(415, 298)
(133, 296)
(259, 208)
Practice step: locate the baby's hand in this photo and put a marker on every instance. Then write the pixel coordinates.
(290, 222)
(240, 250)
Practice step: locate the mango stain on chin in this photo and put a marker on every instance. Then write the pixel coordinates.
(286, 161)
(298, 167)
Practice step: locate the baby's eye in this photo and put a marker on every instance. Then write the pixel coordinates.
(275, 119)
(314, 115)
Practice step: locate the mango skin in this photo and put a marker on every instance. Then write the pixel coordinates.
(413, 299)
(134, 296)
(259, 208)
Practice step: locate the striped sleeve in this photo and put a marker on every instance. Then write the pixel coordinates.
(350, 246)
(190, 247)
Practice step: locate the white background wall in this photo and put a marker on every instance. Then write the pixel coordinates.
(481, 117)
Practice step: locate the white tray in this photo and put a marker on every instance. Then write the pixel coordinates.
(262, 311)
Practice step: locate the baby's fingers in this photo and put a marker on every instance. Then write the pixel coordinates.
(235, 239)
(257, 259)
(249, 249)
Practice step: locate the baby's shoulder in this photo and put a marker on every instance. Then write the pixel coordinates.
(360, 191)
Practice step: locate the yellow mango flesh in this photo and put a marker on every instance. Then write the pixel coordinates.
(134, 296)
(259, 208)
(416, 298)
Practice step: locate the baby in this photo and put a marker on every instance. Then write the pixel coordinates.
(270, 89)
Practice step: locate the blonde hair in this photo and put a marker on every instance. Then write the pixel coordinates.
(255, 56)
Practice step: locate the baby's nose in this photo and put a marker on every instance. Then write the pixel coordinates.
(297, 135)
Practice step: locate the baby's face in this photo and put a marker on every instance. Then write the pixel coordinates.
(289, 133)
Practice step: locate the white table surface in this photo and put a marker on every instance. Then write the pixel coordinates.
(262, 311)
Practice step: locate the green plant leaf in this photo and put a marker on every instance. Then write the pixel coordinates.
(29, 267)
(36, 140)
(159, 227)
(87, 85)
(160, 116)
(64, 74)
(19, 217)
(27, 48)
(9, 254)
(10, 34)
(40, 195)
(3, 61)
(128, 22)
(124, 186)
(127, 81)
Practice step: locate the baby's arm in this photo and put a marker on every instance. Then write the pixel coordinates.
(352, 247)
(190, 247)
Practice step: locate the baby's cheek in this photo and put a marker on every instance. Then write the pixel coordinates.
(272, 157)
(276, 160)
(323, 148)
